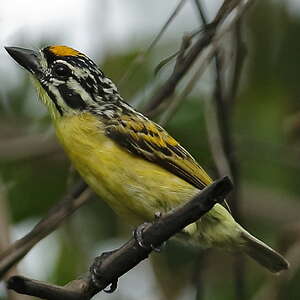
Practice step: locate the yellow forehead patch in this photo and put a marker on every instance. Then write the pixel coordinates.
(64, 51)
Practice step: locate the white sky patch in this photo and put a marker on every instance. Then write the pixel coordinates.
(93, 27)
(294, 6)
(33, 19)
(90, 26)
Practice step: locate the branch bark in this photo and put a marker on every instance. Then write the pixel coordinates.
(181, 69)
(108, 267)
(75, 198)
(142, 56)
(5, 233)
(226, 160)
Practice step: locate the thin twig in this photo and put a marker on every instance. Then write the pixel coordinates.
(168, 88)
(207, 38)
(27, 147)
(142, 56)
(179, 99)
(225, 159)
(209, 55)
(5, 233)
(204, 20)
(238, 64)
(108, 267)
(76, 197)
(201, 11)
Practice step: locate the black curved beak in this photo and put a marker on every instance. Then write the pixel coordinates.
(25, 57)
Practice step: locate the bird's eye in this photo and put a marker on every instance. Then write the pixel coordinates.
(62, 70)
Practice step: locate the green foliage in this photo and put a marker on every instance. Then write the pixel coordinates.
(32, 183)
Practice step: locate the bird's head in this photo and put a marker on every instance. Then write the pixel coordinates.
(68, 81)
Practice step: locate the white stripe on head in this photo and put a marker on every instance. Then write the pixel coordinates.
(77, 88)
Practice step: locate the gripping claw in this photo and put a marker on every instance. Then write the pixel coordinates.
(96, 276)
(138, 235)
(113, 286)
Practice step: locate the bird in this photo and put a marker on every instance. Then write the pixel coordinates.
(131, 162)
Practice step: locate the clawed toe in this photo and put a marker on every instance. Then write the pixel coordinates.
(138, 235)
(158, 215)
(96, 276)
(113, 286)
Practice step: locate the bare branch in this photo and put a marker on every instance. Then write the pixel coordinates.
(212, 52)
(219, 126)
(179, 99)
(5, 233)
(76, 197)
(168, 88)
(141, 57)
(27, 146)
(180, 70)
(108, 267)
(238, 64)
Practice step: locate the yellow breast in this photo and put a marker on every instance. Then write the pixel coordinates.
(132, 186)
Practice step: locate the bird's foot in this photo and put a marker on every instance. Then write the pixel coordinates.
(158, 215)
(96, 276)
(112, 287)
(138, 235)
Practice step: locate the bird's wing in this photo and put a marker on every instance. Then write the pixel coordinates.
(148, 140)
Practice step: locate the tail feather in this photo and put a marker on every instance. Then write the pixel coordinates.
(262, 253)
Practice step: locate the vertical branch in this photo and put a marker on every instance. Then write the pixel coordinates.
(201, 261)
(141, 57)
(229, 157)
(199, 276)
(5, 234)
(223, 117)
(224, 152)
(238, 64)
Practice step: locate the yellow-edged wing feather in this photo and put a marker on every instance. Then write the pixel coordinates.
(146, 139)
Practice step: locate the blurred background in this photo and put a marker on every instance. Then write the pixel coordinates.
(264, 125)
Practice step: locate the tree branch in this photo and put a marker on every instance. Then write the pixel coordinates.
(181, 69)
(76, 197)
(27, 147)
(5, 232)
(224, 152)
(108, 267)
(141, 57)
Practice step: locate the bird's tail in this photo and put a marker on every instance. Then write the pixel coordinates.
(218, 229)
(262, 253)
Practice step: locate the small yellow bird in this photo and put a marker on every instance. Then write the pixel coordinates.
(129, 161)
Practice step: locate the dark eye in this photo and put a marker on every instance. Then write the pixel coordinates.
(62, 70)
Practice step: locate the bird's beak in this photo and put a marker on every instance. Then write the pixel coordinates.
(26, 58)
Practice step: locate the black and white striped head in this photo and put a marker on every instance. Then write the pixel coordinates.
(68, 81)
